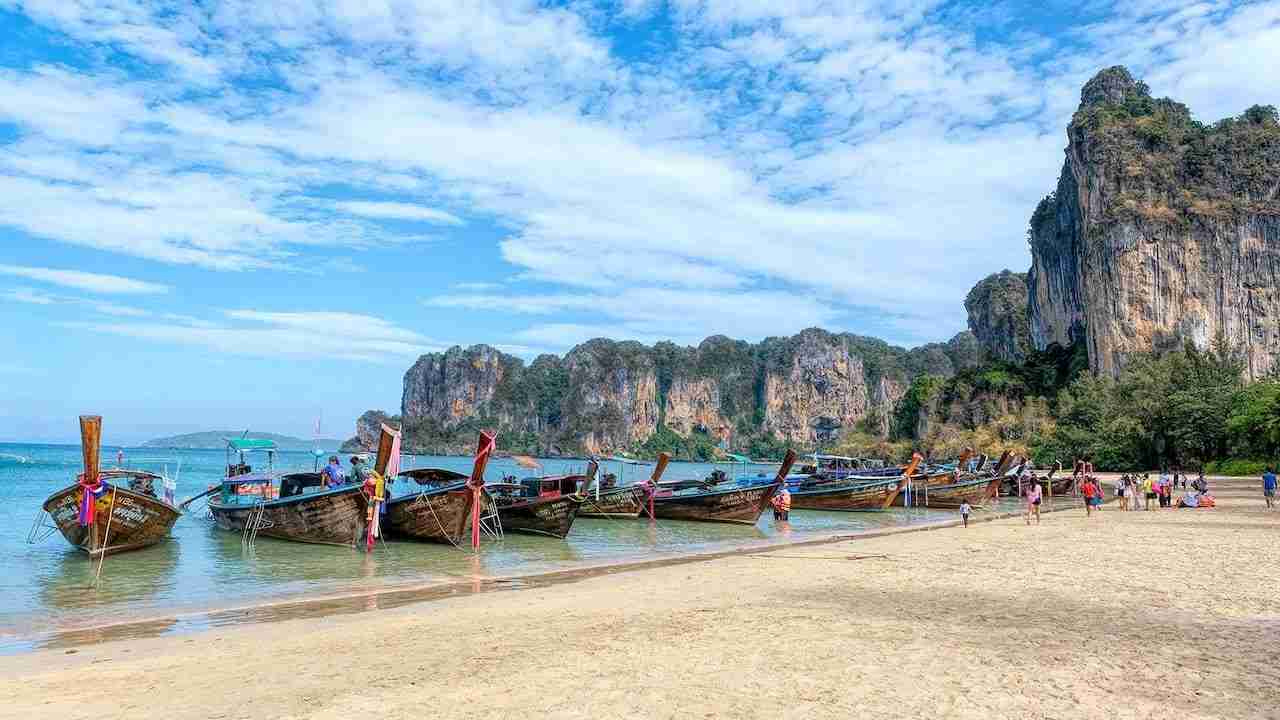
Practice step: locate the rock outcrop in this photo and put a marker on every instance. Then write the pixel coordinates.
(368, 429)
(997, 308)
(606, 396)
(1162, 230)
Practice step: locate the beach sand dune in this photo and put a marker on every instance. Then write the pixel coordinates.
(1171, 614)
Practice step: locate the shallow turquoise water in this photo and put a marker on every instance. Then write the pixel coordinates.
(46, 587)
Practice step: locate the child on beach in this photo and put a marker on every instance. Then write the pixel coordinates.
(964, 512)
(1033, 502)
(1092, 496)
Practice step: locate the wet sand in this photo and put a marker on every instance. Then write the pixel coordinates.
(1172, 614)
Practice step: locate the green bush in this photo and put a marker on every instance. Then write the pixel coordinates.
(1238, 467)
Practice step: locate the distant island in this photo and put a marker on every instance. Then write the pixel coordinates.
(216, 440)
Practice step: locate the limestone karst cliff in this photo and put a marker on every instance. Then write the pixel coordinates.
(1162, 230)
(997, 308)
(606, 396)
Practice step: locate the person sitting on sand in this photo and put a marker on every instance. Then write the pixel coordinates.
(1033, 502)
(1269, 488)
(965, 509)
(332, 476)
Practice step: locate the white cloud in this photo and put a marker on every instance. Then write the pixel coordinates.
(91, 282)
(806, 162)
(36, 297)
(281, 334)
(399, 211)
(29, 296)
(651, 314)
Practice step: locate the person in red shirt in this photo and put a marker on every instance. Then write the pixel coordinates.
(1092, 495)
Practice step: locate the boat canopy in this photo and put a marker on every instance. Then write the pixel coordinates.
(246, 444)
(738, 458)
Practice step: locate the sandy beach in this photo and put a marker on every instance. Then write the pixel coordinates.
(1169, 614)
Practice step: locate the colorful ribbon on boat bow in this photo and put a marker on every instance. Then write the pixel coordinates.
(373, 491)
(484, 448)
(90, 492)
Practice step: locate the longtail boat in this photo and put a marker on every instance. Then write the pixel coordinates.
(852, 493)
(541, 505)
(973, 490)
(443, 509)
(99, 516)
(741, 503)
(920, 491)
(628, 501)
(259, 503)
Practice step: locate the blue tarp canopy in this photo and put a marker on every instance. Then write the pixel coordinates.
(245, 444)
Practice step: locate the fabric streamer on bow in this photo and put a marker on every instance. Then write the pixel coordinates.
(484, 448)
(89, 499)
(372, 489)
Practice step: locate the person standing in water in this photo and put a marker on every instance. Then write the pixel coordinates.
(781, 504)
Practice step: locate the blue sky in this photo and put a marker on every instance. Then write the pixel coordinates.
(251, 214)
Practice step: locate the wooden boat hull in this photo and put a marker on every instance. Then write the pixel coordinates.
(441, 515)
(551, 516)
(952, 495)
(623, 502)
(137, 520)
(1062, 486)
(918, 483)
(737, 505)
(333, 517)
(848, 496)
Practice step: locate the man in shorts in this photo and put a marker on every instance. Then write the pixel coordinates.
(1269, 488)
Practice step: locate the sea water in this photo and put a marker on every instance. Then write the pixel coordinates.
(49, 587)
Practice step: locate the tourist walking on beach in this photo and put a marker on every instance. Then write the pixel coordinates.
(1033, 502)
(1120, 481)
(1269, 488)
(964, 512)
(1148, 491)
(1092, 496)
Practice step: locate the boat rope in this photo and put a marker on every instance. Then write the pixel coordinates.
(423, 499)
(490, 520)
(106, 537)
(40, 528)
(256, 521)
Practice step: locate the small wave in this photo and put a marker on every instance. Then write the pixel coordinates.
(17, 459)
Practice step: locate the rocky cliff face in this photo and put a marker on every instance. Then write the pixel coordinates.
(1162, 230)
(607, 396)
(997, 308)
(368, 429)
